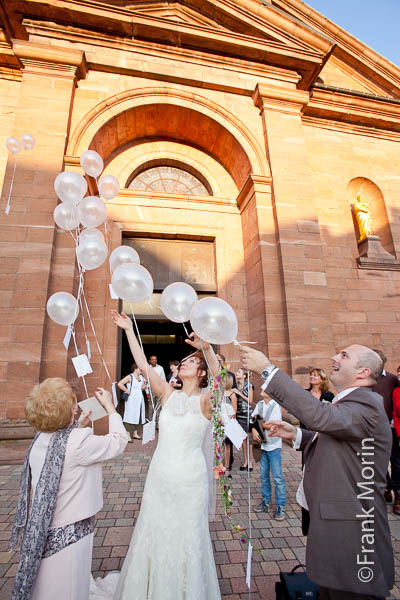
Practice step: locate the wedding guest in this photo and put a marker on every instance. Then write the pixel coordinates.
(244, 392)
(385, 386)
(173, 377)
(134, 411)
(268, 410)
(395, 455)
(319, 385)
(228, 411)
(346, 437)
(62, 475)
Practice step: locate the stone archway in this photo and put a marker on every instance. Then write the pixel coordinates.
(137, 116)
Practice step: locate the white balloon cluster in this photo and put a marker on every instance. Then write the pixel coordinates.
(213, 319)
(13, 145)
(27, 141)
(77, 209)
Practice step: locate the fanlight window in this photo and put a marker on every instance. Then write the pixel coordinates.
(168, 179)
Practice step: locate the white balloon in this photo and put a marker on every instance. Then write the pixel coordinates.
(92, 211)
(92, 163)
(177, 300)
(132, 282)
(89, 233)
(66, 216)
(70, 187)
(108, 187)
(121, 255)
(214, 321)
(91, 252)
(62, 308)
(13, 145)
(27, 141)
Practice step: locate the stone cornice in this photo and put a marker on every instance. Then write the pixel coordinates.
(45, 59)
(196, 57)
(348, 107)
(280, 98)
(359, 55)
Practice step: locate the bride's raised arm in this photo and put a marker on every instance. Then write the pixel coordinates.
(208, 352)
(157, 384)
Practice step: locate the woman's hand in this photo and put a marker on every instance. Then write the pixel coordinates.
(84, 420)
(105, 399)
(196, 342)
(121, 320)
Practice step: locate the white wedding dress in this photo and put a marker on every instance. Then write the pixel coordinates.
(170, 556)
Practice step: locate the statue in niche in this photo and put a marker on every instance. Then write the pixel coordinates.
(364, 221)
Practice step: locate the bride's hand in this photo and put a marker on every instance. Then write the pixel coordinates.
(121, 320)
(196, 342)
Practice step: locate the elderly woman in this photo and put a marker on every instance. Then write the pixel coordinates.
(62, 474)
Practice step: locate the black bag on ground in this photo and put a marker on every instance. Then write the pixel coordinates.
(296, 586)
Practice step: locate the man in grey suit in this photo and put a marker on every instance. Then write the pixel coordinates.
(349, 553)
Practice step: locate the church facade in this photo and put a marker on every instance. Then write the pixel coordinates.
(243, 134)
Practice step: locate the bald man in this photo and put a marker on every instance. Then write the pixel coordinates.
(349, 553)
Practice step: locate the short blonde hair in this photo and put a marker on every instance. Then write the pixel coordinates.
(49, 406)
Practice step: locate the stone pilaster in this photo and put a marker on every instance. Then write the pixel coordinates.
(298, 240)
(32, 347)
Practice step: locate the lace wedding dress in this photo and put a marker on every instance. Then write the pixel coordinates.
(170, 556)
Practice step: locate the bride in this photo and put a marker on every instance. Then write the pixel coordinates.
(170, 556)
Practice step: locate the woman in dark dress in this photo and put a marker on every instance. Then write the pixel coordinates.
(319, 385)
(244, 393)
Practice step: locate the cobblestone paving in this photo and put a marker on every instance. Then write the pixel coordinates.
(282, 544)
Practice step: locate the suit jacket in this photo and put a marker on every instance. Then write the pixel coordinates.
(340, 490)
(385, 386)
(80, 494)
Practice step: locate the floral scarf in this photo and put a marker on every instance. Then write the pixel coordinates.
(35, 527)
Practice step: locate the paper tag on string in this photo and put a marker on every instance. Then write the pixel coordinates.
(114, 393)
(149, 432)
(235, 433)
(248, 572)
(7, 209)
(88, 349)
(82, 365)
(67, 337)
(112, 293)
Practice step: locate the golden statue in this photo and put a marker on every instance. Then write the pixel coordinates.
(364, 221)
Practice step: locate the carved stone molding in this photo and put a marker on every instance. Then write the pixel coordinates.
(44, 59)
(281, 99)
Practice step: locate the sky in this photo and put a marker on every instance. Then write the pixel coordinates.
(374, 22)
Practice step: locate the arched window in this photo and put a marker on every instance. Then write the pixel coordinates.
(170, 178)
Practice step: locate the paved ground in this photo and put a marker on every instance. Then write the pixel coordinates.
(282, 543)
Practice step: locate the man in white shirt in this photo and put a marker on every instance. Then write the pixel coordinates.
(158, 368)
(346, 452)
(160, 371)
(269, 410)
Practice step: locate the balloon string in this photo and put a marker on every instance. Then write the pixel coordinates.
(248, 467)
(7, 210)
(236, 343)
(186, 331)
(77, 354)
(147, 369)
(95, 337)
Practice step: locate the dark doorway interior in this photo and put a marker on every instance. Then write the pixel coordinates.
(165, 339)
